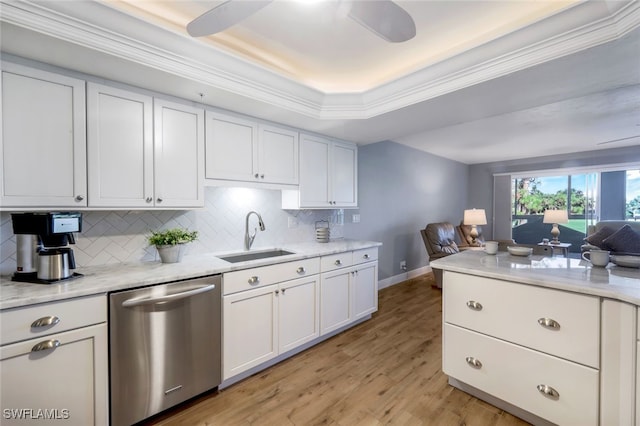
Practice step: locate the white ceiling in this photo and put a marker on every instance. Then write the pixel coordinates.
(481, 81)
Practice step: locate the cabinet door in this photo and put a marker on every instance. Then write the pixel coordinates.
(120, 147)
(344, 175)
(277, 155)
(179, 155)
(249, 331)
(42, 139)
(314, 171)
(365, 290)
(335, 301)
(298, 317)
(69, 381)
(231, 148)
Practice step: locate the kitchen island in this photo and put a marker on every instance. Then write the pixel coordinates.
(552, 340)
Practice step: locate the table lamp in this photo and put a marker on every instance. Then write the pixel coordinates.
(474, 217)
(555, 217)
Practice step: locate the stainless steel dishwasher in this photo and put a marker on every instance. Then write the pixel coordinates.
(164, 346)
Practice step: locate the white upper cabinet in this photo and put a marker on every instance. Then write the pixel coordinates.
(231, 148)
(179, 154)
(120, 147)
(277, 155)
(42, 139)
(328, 175)
(143, 153)
(241, 150)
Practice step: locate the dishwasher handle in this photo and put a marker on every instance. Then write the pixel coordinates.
(168, 298)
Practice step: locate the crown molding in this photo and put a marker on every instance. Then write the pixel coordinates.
(99, 27)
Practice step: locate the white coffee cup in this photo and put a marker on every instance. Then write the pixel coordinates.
(491, 247)
(597, 257)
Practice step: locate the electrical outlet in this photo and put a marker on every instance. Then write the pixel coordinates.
(355, 218)
(403, 265)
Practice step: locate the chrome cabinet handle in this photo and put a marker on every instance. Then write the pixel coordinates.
(549, 392)
(301, 270)
(256, 176)
(159, 200)
(476, 306)
(253, 280)
(283, 290)
(474, 362)
(45, 321)
(168, 298)
(278, 291)
(47, 344)
(79, 198)
(338, 262)
(549, 323)
(262, 176)
(148, 199)
(366, 256)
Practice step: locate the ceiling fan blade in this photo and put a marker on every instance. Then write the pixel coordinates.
(385, 19)
(224, 16)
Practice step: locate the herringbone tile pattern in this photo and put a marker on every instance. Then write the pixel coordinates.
(111, 237)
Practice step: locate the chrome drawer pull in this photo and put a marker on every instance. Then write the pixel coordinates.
(301, 270)
(549, 392)
(45, 321)
(366, 256)
(549, 323)
(253, 280)
(475, 363)
(338, 262)
(476, 306)
(47, 344)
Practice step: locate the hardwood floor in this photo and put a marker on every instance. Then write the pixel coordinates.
(384, 371)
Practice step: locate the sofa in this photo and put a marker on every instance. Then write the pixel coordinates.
(617, 236)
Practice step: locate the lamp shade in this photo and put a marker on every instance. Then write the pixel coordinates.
(474, 217)
(555, 216)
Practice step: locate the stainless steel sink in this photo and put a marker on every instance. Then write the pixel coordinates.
(254, 255)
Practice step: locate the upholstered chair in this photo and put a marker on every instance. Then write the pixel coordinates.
(439, 239)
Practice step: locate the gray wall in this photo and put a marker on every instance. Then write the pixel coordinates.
(613, 195)
(480, 183)
(401, 190)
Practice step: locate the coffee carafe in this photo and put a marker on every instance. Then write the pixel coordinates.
(42, 240)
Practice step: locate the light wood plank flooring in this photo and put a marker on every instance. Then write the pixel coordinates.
(384, 371)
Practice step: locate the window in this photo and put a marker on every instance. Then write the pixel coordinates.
(531, 196)
(632, 207)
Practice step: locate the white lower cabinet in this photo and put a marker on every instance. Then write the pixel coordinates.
(270, 311)
(348, 288)
(61, 375)
(557, 390)
(564, 357)
(267, 311)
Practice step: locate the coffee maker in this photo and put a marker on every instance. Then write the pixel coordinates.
(42, 240)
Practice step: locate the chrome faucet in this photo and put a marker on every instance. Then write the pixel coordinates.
(248, 239)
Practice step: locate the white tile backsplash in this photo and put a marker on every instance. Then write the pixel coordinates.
(111, 237)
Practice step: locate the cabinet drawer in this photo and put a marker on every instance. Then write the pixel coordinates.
(17, 324)
(517, 382)
(247, 279)
(336, 261)
(365, 255)
(512, 312)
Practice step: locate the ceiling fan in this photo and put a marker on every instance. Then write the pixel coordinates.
(382, 17)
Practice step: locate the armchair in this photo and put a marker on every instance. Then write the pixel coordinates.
(439, 239)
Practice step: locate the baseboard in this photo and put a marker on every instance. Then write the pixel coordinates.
(396, 279)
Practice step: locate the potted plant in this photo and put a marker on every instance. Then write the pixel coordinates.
(170, 243)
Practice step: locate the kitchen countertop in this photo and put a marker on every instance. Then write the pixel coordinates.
(107, 278)
(577, 275)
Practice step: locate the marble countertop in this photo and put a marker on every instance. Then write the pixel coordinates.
(107, 278)
(577, 275)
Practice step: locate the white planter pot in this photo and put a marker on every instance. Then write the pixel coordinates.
(171, 254)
